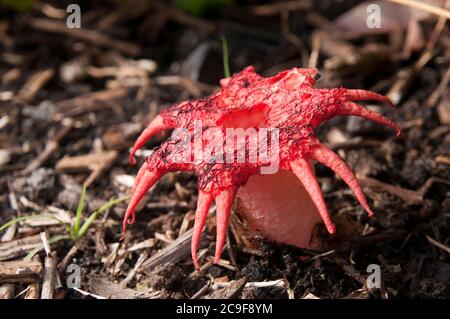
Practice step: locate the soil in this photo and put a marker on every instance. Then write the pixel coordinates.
(89, 92)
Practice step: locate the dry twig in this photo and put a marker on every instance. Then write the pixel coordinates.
(92, 36)
(48, 282)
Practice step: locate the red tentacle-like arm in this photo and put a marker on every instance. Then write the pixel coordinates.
(286, 102)
(146, 180)
(203, 204)
(303, 171)
(361, 95)
(224, 201)
(351, 108)
(329, 158)
(155, 126)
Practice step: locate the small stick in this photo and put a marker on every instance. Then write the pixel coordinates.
(202, 291)
(443, 85)
(96, 163)
(318, 256)
(32, 86)
(438, 244)
(425, 7)
(317, 39)
(172, 253)
(431, 180)
(232, 290)
(350, 271)
(91, 36)
(7, 291)
(20, 271)
(143, 257)
(442, 159)
(85, 293)
(257, 284)
(87, 99)
(438, 28)
(225, 264)
(32, 291)
(292, 38)
(68, 258)
(406, 76)
(49, 280)
(277, 8)
(18, 247)
(50, 148)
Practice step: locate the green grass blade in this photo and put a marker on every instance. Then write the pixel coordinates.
(24, 218)
(14, 221)
(79, 212)
(226, 65)
(51, 240)
(99, 211)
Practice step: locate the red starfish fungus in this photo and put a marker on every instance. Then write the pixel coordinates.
(285, 105)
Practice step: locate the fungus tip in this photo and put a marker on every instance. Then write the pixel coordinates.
(131, 220)
(132, 159)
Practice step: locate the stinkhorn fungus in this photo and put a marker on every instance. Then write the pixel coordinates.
(284, 111)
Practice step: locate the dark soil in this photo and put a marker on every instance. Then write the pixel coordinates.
(51, 76)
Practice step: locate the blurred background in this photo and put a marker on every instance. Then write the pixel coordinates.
(79, 80)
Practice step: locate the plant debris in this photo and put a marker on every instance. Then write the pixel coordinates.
(73, 101)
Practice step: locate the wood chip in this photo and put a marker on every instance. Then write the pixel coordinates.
(102, 286)
(20, 271)
(96, 163)
(442, 159)
(19, 247)
(84, 34)
(9, 233)
(173, 253)
(427, 7)
(7, 291)
(146, 244)
(11, 76)
(443, 111)
(85, 293)
(33, 85)
(85, 100)
(232, 291)
(406, 77)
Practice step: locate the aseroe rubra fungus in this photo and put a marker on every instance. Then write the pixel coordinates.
(287, 104)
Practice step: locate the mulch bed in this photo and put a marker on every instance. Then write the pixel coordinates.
(72, 102)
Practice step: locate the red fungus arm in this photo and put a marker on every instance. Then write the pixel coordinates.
(286, 102)
(156, 125)
(224, 201)
(302, 170)
(329, 158)
(203, 204)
